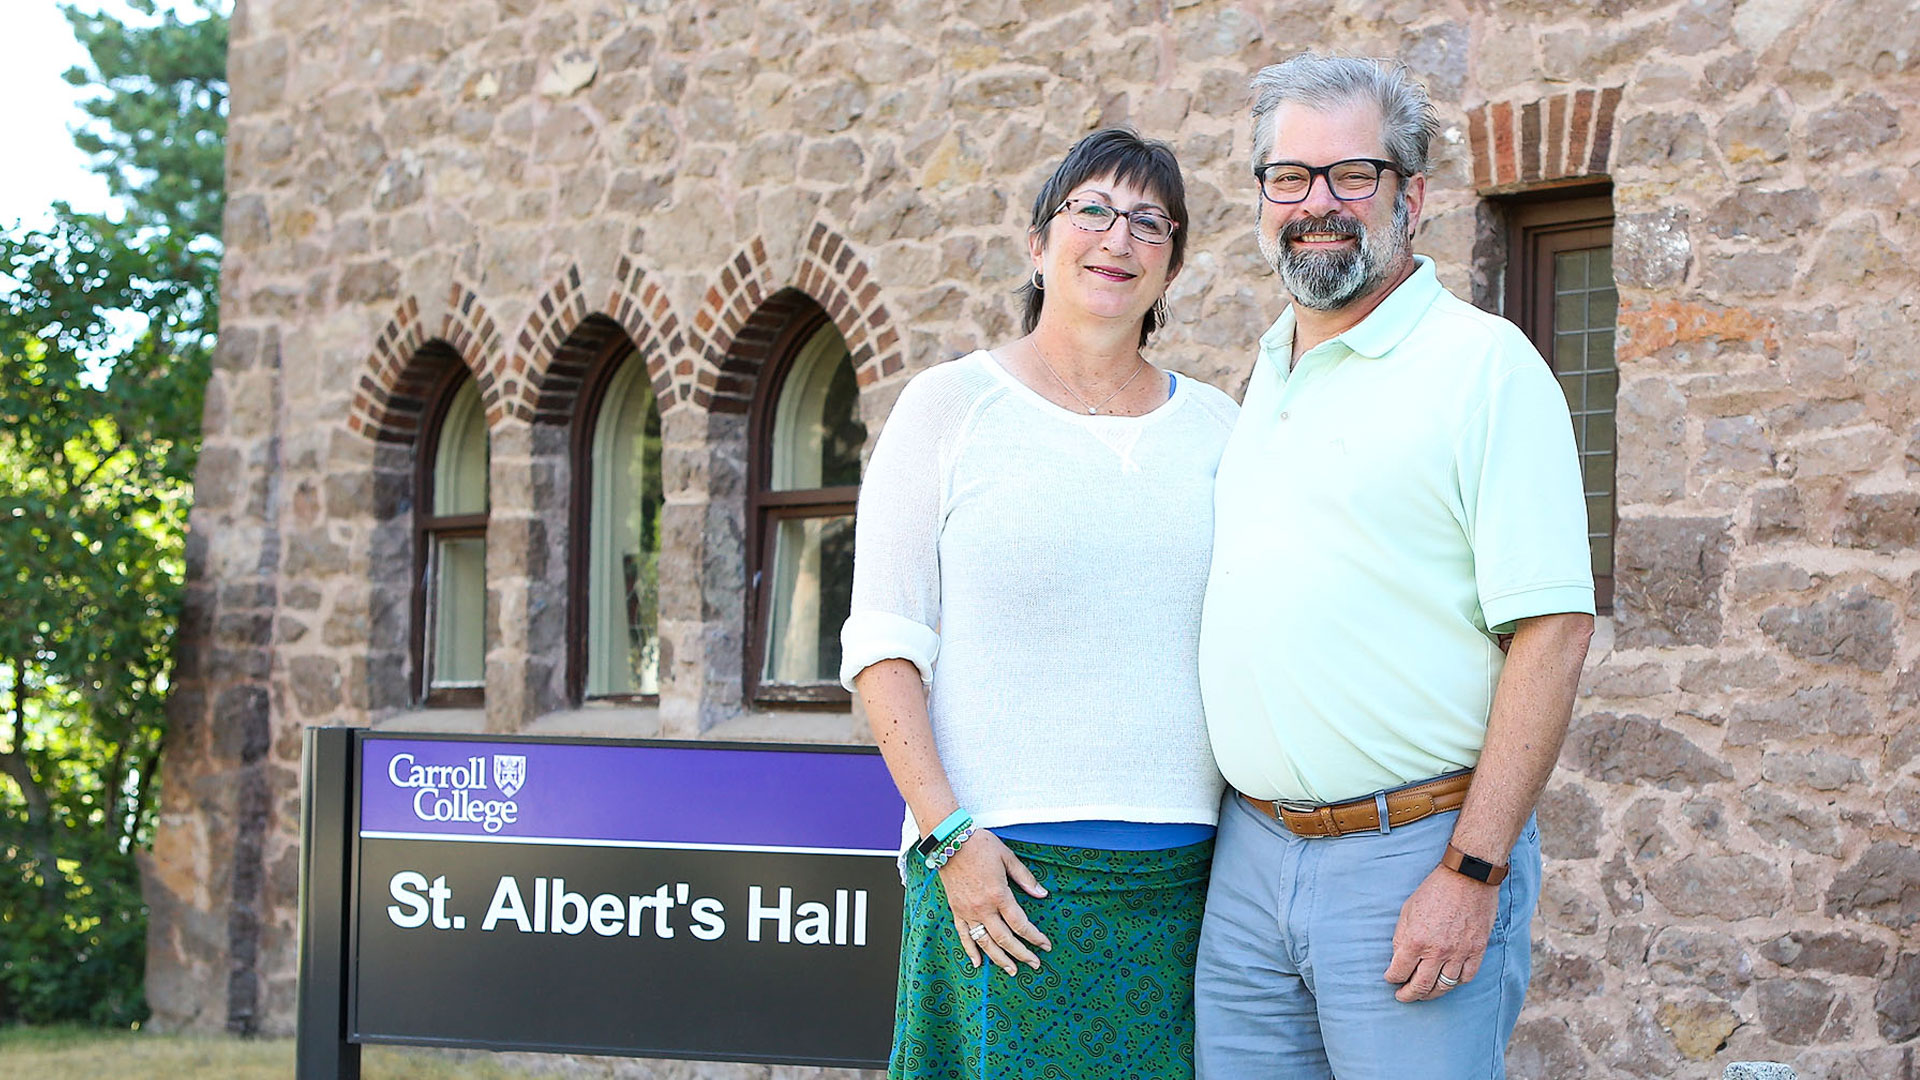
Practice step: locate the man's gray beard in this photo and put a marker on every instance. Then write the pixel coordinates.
(1330, 280)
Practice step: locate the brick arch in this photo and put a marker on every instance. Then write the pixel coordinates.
(564, 334)
(1562, 137)
(391, 397)
(746, 308)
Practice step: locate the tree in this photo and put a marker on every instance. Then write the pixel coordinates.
(104, 343)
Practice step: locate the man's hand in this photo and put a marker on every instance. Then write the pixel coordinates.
(1444, 928)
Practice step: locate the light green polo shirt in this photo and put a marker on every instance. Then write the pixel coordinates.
(1408, 490)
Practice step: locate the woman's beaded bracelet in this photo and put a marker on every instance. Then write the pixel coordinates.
(939, 858)
(944, 831)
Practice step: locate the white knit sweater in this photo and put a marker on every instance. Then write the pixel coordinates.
(1044, 570)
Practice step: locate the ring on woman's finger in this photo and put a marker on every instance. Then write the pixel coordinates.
(978, 931)
(1447, 981)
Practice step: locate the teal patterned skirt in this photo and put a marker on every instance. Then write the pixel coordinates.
(1112, 1001)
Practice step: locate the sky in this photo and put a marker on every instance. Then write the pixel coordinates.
(41, 162)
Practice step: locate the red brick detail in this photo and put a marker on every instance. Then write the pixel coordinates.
(1477, 121)
(743, 313)
(1517, 145)
(411, 353)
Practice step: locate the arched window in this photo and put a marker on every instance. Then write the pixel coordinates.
(808, 437)
(450, 605)
(618, 496)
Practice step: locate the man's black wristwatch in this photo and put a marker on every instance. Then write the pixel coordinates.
(1478, 869)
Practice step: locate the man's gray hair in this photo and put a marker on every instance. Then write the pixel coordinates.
(1408, 121)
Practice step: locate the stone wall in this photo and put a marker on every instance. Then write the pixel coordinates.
(1733, 870)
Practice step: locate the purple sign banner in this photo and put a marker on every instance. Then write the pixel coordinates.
(698, 796)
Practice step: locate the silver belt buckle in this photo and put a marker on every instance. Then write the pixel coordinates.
(1294, 806)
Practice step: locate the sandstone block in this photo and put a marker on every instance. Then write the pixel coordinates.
(1564, 906)
(1699, 1029)
(1839, 953)
(1897, 1001)
(315, 681)
(1569, 823)
(1862, 122)
(1765, 216)
(1626, 681)
(368, 283)
(1636, 750)
(1652, 251)
(1775, 514)
(1662, 139)
(1903, 804)
(1721, 886)
(1010, 90)
(1780, 820)
(1852, 251)
(1758, 134)
(1794, 1009)
(1885, 522)
(1559, 976)
(1668, 580)
(1719, 674)
(1882, 885)
(1881, 37)
(1855, 628)
(1622, 888)
(1700, 26)
(1545, 1049)
(1733, 444)
(1712, 961)
(1819, 770)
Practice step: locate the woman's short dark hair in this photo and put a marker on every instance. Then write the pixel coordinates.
(1120, 153)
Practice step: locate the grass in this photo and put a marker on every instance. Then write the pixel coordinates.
(62, 1053)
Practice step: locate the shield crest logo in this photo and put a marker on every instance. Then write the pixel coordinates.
(509, 772)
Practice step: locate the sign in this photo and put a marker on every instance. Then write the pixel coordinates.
(690, 900)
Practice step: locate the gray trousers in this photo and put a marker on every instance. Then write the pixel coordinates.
(1295, 945)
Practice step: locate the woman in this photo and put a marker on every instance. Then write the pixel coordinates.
(1039, 517)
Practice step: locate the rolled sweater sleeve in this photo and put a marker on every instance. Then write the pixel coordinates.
(895, 610)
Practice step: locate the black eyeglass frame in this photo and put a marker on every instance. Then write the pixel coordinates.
(1325, 172)
(1172, 225)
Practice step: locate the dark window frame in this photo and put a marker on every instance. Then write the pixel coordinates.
(767, 508)
(1536, 231)
(428, 529)
(592, 397)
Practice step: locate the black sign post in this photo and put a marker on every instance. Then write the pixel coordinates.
(685, 900)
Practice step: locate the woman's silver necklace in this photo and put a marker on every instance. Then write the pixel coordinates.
(1092, 409)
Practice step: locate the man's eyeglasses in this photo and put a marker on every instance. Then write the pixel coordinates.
(1349, 181)
(1145, 226)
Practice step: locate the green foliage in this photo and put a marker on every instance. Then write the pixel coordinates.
(105, 338)
(161, 123)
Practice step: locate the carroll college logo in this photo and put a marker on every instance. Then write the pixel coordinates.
(509, 772)
(457, 792)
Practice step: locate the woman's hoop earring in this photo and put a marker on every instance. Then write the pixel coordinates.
(1039, 283)
(1160, 315)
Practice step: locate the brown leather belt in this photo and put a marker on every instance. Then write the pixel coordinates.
(1403, 805)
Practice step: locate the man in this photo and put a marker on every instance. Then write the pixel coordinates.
(1401, 491)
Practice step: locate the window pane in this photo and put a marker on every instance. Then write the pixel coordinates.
(460, 460)
(817, 432)
(457, 621)
(810, 596)
(623, 584)
(1570, 271)
(1585, 309)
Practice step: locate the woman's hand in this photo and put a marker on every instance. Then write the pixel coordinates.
(976, 883)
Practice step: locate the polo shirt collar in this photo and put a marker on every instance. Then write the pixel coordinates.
(1376, 335)
(1389, 324)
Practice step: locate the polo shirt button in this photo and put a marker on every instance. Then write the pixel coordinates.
(1285, 415)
